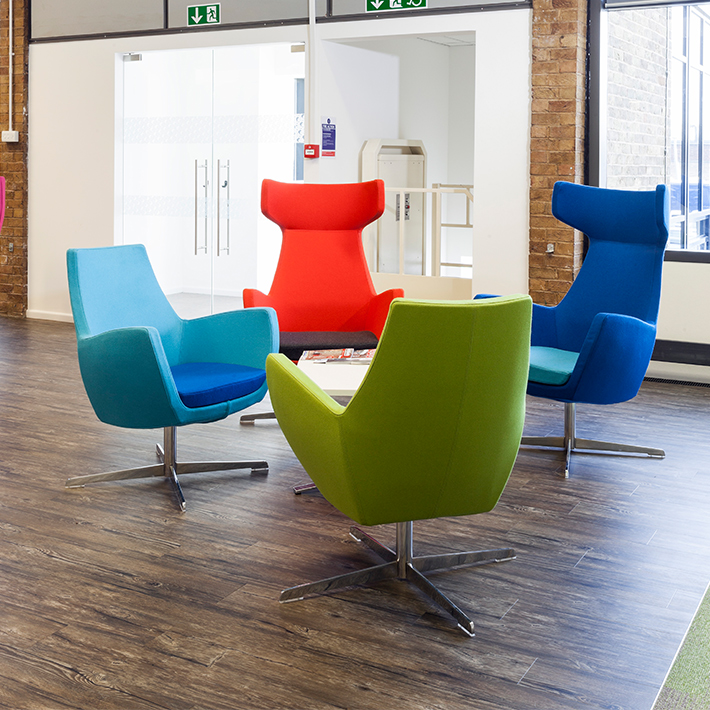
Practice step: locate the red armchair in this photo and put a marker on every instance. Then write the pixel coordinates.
(322, 291)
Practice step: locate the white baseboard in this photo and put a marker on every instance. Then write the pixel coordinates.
(50, 315)
(678, 371)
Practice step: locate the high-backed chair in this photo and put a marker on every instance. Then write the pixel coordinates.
(433, 431)
(143, 367)
(322, 290)
(594, 347)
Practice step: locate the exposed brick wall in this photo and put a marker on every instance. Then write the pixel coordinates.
(559, 44)
(13, 164)
(637, 63)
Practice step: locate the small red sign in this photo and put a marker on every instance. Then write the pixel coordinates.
(311, 150)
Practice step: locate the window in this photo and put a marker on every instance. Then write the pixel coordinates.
(658, 112)
(689, 119)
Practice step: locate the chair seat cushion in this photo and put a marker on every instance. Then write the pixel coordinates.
(201, 384)
(550, 366)
(293, 343)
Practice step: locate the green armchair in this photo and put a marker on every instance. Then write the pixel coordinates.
(433, 431)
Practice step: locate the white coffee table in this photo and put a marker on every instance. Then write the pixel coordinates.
(338, 379)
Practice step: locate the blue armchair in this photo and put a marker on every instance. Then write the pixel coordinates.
(143, 367)
(594, 347)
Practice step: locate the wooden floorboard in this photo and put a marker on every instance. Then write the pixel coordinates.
(111, 598)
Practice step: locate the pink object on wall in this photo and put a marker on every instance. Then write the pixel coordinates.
(2, 201)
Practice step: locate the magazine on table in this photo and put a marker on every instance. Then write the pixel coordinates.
(340, 355)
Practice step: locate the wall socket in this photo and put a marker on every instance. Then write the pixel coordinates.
(10, 136)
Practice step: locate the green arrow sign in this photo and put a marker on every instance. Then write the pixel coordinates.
(204, 14)
(384, 5)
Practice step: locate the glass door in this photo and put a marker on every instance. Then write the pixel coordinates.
(201, 129)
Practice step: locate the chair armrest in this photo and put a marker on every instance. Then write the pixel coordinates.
(293, 386)
(243, 337)
(253, 298)
(128, 380)
(311, 421)
(613, 360)
(378, 310)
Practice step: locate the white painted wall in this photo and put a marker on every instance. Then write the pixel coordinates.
(462, 62)
(71, 159)
(423, 96)
(684, 287)
(72, 137)
(359, 88)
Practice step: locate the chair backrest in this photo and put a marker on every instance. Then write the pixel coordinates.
(621, 272)
(435, 427)
(322, 279)
(115, 287)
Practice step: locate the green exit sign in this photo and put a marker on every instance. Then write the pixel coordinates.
(204, 14)
(383, 5)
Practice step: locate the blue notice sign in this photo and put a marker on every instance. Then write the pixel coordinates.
(328, 137)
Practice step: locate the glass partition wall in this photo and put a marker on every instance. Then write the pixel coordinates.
(201, 129)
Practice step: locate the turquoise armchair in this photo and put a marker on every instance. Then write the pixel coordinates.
(143, 367)
(433, 431)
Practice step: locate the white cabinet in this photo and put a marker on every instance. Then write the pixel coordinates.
(401, 164)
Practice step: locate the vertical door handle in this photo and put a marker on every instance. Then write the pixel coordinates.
(199, 167)
(207, 200)
(222, 186)
(226, 185)
(196, 200)
(219, 200)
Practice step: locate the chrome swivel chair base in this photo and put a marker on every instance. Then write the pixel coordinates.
(300, 488)
(252, 418)
(169, 468)
(570, 443)
(401, 564)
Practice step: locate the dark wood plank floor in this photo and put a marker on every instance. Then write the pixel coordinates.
(110, 598)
